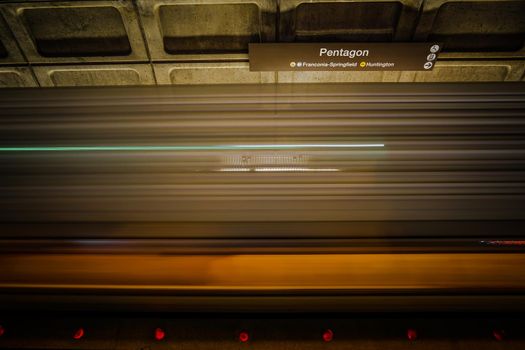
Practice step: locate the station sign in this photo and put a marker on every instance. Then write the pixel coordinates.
(343, 56)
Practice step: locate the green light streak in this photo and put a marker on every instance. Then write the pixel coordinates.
(184, 148)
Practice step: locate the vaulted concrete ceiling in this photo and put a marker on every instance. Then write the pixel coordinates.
(146, 42)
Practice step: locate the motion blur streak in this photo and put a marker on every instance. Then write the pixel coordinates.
(293, 169)
(181, 148)
(348, 272)
(276, 169)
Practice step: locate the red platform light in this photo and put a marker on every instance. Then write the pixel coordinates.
(498, 334)
(411, 334)
(160, 334)
(2, 331)
(244, 337)
(328, 335)
(79, 334)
